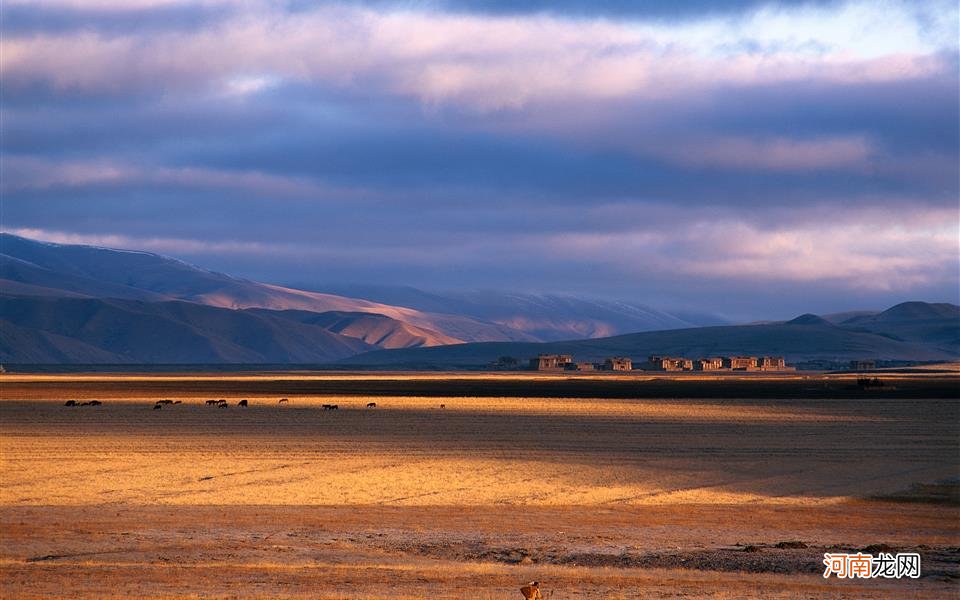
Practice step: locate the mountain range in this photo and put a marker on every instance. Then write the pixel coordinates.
(912, 331)
(63, 304)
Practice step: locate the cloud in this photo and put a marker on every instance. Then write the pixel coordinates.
(663, 152)
(867, 254)
(477, 62)
(777, 154)
(31, 173)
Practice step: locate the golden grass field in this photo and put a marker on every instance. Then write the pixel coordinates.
(596, 497)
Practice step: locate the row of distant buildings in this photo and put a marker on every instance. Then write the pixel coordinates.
(554, 362)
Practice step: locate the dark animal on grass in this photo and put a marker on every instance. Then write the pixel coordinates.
(371, 404)
(164, 401)
(210, 402)
(85, 404)
(95, 403)
(443, 406)
(282, 400)
(331, 407)
(71, 403)
(242, 403)
(224, 405)
(157, 406)
(179, 402)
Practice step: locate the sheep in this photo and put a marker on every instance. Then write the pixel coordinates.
(371, 404)
(211, 402)
(157, 406)
(282, 400)
(70, 403)
(242, 403)
(224, 405)
(95, 403)
(330, 407)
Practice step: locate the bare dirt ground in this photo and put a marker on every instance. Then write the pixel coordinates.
(615, 497)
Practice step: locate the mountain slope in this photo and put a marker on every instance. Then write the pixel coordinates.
(937, 324)
(86, 330)
(546, 317)
(376, 330)
(110, 273)
(804, 339)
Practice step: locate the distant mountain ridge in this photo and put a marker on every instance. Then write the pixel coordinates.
(910, 331)
(30, 267)
(93, 330)
(546, 317)
(83, 304)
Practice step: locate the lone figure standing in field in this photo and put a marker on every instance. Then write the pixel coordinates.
(531, 591)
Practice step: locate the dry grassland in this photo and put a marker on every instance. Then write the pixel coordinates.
(596, 497)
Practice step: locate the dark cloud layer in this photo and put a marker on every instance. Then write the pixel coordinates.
(652, 166)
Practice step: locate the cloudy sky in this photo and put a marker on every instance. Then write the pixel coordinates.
(747, 158)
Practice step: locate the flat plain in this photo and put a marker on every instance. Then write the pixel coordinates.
(466, 486)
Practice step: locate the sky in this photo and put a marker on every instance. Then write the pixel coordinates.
(747, 158)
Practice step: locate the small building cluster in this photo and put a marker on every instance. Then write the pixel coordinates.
(558, 362)
(716, 363)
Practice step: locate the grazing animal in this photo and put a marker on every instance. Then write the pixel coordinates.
(242, 403)
(331, 407)
(443, 406)
(282, 400)
(224, 405)
(211, 402)
(371, 404)
(95, 403)
(531, 591)
(157, 406)
(164, 401)
(85, 404)
(70, 403)
(179, 402)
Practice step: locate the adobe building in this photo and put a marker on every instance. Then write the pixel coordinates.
(708, 364)
(771, 363)
(667, 363)
(618, 363)
(550, 362)
(740, 363)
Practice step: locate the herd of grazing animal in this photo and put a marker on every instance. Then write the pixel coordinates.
(221, 403)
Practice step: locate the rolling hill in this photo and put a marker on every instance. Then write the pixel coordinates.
(92, 330)
(924, 332)
(30, 267)
(545, 317)
(35, 268)
(82, 304)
